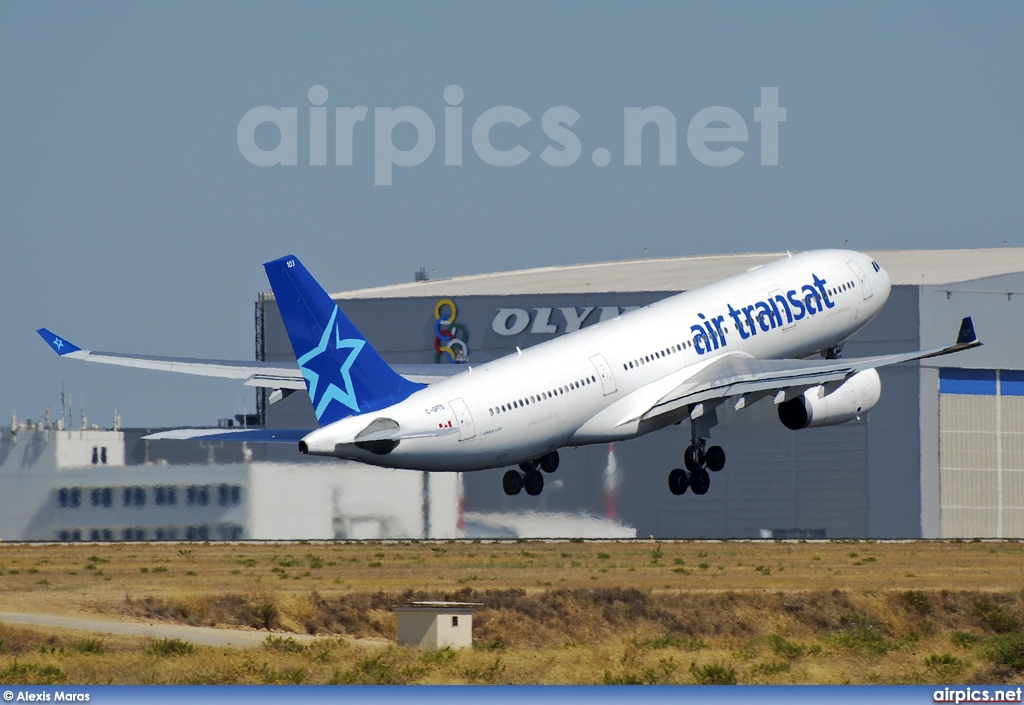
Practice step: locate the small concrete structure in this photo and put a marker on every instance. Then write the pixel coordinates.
(436, 624)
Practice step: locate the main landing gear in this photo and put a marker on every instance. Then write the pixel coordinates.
(530, 478)
(697, 461)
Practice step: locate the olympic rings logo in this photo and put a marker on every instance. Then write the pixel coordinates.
(451, 339)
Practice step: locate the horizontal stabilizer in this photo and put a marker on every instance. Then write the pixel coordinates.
(250, 435)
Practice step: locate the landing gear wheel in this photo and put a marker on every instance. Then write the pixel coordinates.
(715, 458)
(549, 463)
(512, 483)
(533, 482)
(700, 481)
(693, 458)
(678, 481)
(528, 465)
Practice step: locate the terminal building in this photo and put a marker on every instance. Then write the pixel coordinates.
(941, 455)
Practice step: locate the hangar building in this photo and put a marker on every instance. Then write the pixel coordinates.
(941, 455)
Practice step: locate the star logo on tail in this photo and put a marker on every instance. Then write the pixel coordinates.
(315, 364)
(58, 344)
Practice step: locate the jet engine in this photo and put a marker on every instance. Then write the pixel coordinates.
(852, 398)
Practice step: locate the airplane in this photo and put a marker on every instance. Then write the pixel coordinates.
(775, 331)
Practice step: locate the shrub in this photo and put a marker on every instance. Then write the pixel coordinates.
(170, 647)
(771, 668)
(671, 642)
(945, 665)
(964, 640)
(861, 634)
(293, 676)
(1006, 650)
(382, 669)
(88, 646)
(917, 601)
(32, 674)
(492, 645)
(440, 656)
(784, 648)
(713, 674)
(266, 613)
(995, 618)
(284, 644)
(486, 674)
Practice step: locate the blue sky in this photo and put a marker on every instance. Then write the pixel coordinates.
(131, 220)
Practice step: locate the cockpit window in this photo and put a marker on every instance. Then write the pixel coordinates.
(875, 265)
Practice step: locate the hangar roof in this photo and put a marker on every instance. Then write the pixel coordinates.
(905, 267)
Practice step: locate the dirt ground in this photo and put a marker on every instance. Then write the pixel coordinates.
(82, 578)
(553, 612)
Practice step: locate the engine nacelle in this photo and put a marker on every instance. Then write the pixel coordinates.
(854, 397)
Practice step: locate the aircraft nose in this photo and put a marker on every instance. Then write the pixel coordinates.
(885, 280)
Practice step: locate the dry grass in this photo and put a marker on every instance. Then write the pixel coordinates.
(635, 612)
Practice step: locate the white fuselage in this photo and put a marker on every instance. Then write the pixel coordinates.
(591, 386)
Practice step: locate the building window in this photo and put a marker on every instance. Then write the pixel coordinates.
(198, 533)
(190, 495)
(236, 495)
(455, 621)
(172, 495)
(203, 496)
(76, 497)
(223, 495)
(103, 455)
(94, 535)
(95, 455)
(126, 496)
(108, 535)
(108, 496)
(140, 496)
(94, 497)
(159, 495)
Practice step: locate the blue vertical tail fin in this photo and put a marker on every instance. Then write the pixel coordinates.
(344, 374)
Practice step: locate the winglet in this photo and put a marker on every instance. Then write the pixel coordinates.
(59, 345)
(966, 334)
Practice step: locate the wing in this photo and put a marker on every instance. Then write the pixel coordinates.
(254, 373)
(747, 379)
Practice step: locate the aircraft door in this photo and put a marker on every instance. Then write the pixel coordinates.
(466, 428)
(787, 322)
(865, 285)
(604, 373)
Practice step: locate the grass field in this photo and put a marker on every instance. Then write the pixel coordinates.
(565, 612)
